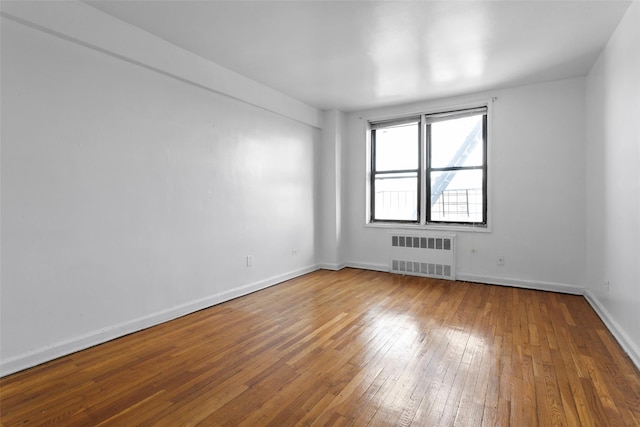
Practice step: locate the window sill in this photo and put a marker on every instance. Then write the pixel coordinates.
(429, 227)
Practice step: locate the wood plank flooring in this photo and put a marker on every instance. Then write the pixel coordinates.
(347, 348)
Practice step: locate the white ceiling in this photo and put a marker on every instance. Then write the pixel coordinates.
(352, 55)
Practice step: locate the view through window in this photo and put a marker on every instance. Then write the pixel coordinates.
(444, 153)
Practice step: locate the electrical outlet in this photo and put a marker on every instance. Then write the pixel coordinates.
(606, 286)
(249, 260)
(294, 251)
(500, 260)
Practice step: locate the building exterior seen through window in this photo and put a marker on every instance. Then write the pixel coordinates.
(445, 154)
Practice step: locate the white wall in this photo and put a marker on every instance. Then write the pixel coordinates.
(330, 205)
(130, 197)
(79, 22)
(537, 192)
(613, 183)
(133, 190)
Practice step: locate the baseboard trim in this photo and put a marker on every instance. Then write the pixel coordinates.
(48, 353)
(489, 280)
(366, 266)
(331, 266)
(519, 283)
(614, 327)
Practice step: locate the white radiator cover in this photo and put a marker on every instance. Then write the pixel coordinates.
(423, 254)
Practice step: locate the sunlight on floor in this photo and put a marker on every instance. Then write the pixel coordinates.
(415, 358)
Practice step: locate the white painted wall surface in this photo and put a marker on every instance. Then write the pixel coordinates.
(75, 20)
(536, 173)
(130, 197)
(613, 183)
(330, 232)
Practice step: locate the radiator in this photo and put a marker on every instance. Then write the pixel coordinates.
(422, 254)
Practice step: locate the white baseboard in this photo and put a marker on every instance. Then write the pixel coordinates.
(331, 266)
(490, 280)
(366, 266)
(519, 283)
(47, 353)
(618, 333)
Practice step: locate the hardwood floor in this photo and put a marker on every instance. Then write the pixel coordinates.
(347, 348)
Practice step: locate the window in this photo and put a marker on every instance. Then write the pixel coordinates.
(396, 170)
(430, 169)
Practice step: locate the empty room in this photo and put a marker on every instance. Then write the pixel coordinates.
(385, 213)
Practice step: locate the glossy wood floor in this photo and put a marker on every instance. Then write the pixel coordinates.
(347, 348)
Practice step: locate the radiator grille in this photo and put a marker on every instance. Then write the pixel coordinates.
(423, 255)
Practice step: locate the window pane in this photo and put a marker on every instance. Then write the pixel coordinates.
(457, 196)
(396, 197)
(457, 142)
(397, 147)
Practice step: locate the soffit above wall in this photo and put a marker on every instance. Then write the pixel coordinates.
(352, 55)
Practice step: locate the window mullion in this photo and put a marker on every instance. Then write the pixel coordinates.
(423, 171)
(457, 168)
(427, 169)
(417, 170)
(372, 177)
